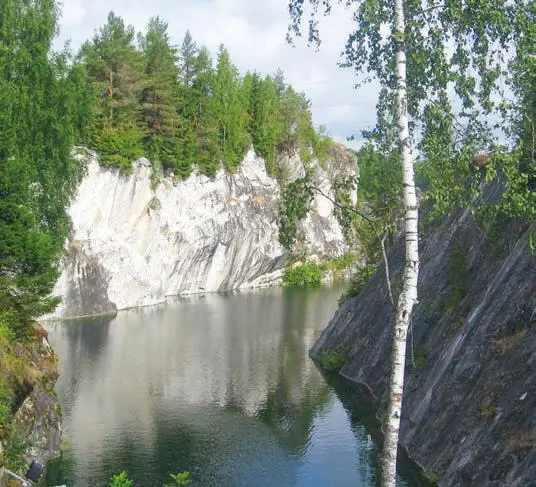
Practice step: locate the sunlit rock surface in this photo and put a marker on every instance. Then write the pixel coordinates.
(133, 243)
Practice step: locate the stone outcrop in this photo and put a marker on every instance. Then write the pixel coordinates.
(37, 415)
(470, 397)
(135, 241)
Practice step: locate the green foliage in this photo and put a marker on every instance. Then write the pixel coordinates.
(15, 450)
(491, 44)
(43, 104)
(420, 355)
(230, 109)
(339, 264)
(309, 274)
(120, 480)
(457, 274)
(294, 206)
(379, 182)
(5, 407)
(333, 359)
(179, 479)
(306, 274)
(118, 147)
(174, 106)
(358, 282)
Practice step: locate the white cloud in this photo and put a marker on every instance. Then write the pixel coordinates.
(254, 33)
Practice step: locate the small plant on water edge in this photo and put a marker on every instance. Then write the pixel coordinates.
(16, 447)
(333, 359)
(177, 480)
(302, 275)
(120, 480)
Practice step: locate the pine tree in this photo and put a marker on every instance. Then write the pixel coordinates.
(231, 111)
(187, 62)
(114, 68)
(159, 94)
(264, 119)
(208, 150)
(187, 107)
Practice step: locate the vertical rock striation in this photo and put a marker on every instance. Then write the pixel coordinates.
(133, 244)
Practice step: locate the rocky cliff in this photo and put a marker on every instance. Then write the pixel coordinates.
(35, 429)
(470, 396)
(135, 242)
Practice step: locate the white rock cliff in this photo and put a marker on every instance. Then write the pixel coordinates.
(133, 244)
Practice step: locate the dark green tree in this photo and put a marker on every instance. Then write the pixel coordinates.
(187, 62)
(230, 110)
(187, 106)
(159, 94)
(208, 150)
(114, 68)
(43, 104)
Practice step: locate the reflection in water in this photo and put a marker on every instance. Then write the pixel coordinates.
(219, 385)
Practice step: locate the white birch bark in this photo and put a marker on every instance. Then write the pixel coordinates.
(408, 296)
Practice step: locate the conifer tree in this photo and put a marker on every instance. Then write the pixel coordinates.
(114, 68)
(231, 111)
(159, 93)
(208, 150)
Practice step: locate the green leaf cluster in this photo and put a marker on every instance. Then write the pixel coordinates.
(460, 57)
(305, 274)
(44, 104)
(177, 479)
(296, 198)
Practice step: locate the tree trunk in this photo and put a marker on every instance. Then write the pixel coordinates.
(408, 296)
(111, 92)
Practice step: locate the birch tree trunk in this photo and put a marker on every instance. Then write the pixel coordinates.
(408, 296)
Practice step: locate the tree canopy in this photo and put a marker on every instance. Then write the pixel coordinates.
(183, 109)
(44, 105)
(470, 82)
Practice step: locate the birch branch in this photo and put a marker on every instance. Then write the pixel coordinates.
(372, 223)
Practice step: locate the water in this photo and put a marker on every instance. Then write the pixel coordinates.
(219, 385)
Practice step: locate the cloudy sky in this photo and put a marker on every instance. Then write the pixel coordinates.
(254, 33)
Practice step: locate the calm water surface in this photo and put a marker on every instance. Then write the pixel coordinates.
(219, 385)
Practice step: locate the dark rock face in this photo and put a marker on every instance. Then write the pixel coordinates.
(88, 283)
(469, 413)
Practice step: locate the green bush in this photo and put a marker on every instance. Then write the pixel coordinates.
(5, 407)
(420, 355)
(178, 480)
(15, 450)
(119, 147)
(120, 480)
(341, 263)
(303, 275)
(333, 359)
(458, 275)
(358, 282)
